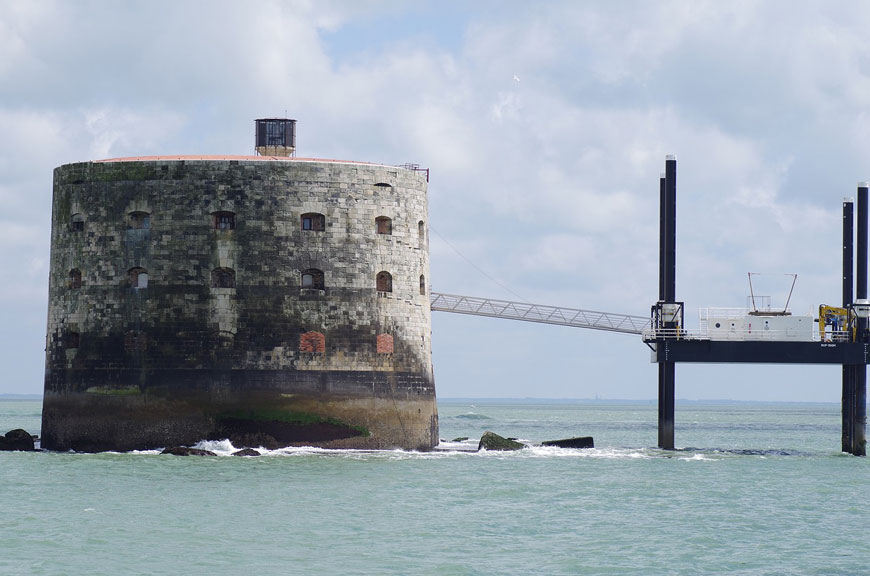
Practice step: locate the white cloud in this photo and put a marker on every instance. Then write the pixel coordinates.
(16, 235)
(120, 132)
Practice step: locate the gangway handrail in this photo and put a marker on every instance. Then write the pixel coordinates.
(558, 315)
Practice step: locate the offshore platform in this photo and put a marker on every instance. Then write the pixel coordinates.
(763, 335)
(757, 334)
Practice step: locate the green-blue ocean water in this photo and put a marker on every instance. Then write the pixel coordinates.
(756, 489)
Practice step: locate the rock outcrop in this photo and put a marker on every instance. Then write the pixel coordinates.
(492, 441)
(17, 440)
(578, 442)
(246, 452)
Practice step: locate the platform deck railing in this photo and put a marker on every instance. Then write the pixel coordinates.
(833, 336)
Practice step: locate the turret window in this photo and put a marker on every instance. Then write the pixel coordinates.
(77, 222)
(139, 221)
(138, 278)
(314, 222)
(422, 285)
(421, 234)
(75, 279)
(384, 282)
(224, 220)
(223, 278)
(384, 225)
(313, 279)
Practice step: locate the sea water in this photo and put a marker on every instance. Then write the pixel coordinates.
(754, 489)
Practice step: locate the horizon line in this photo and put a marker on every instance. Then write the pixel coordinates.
(33, 396)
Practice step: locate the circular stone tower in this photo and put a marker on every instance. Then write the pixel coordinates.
(273, 301)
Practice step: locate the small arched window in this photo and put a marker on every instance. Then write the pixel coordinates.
(312, 342)
(223, 278)
(384, 344)
(313, 279)
(384, 225)
(314, 222)
(72, 339)
(422, 285)
(224, 220)
(138, 277)
(421, 233)
(384, 281)
(77, 222)
(139, 221)
(75, 278)
(382, 185)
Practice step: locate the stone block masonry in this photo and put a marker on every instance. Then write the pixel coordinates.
(278, 301)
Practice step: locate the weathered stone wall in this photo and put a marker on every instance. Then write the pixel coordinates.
(179, 330)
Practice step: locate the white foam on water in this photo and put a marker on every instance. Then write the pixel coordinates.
(597, 453)
(465, 445)
(466, 448)
(698, 458)
(445, 449)
(113, 452)
(538, 451)
(301, 451)
(219, 447)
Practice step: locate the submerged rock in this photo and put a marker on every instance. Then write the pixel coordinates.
(460, 439)
(246, 452)
(492, 441)
(186, 451)
(578, 442)
(17, 440)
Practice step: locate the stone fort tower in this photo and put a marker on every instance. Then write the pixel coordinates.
(269, 299)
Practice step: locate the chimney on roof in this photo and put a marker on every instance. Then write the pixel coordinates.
(275, 137)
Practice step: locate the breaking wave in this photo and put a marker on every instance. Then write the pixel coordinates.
(472, 416)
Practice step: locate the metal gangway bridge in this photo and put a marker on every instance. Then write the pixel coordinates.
(527, 312)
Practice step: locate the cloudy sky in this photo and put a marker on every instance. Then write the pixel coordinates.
(544, 124)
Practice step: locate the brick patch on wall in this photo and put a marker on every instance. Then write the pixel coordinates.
(312, 342)
(385, 344)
